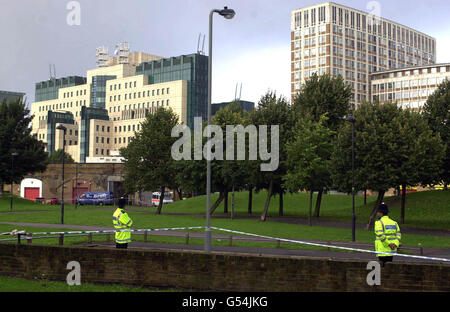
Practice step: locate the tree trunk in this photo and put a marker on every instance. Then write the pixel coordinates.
(318, 203)
(161, 199)
(180, 194)
(365, 197)
(269, 195)
(250, 199)
(374, 211)
(280, 208)
(217, 203)
(402, 215)
(232, 203)
(310, 208)
(445, 185)
(225, 202)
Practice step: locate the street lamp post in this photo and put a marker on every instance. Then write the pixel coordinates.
(228, 14)
(64, 129)
(76, 185)
(12, 178)
(352, 119)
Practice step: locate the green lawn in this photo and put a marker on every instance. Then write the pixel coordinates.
(426, 209)
(8, 284)
(429, 209)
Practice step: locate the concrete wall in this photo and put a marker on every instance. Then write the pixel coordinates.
(221, 272)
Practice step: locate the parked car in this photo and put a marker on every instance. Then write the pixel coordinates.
(96, 198)
(156, 198)
(53, 201)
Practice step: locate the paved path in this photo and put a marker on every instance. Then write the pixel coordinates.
(431, 252)
(286, 219)
(262, 251)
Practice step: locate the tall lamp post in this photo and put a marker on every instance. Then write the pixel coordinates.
(64, 129)
(12, 177)
(228, 14)
(352, 119)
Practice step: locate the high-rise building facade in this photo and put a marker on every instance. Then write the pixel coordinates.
(338, 40)
(9, 96)
(103, 111)
(410, 87)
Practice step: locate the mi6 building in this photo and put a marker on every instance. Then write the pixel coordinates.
(103, 110)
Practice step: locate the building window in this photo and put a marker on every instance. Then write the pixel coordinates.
(96, 151)
(168, 90)
(97, 128)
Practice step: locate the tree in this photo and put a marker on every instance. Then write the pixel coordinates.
(308, 158)
(15, 136)
(272, 111)
(232, 173)
(378, 135)
(148, 163)
(56, 158)
(419, 154)
(437, 112)
(321, 95)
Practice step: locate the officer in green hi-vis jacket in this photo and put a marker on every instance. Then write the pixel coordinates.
(122, 221)
(387, 233)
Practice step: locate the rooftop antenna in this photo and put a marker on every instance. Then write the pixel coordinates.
(235, 93)
(123, 52)
(203, 45)
(240, 92)
(102, 56)
(52, 71)
(198, 43)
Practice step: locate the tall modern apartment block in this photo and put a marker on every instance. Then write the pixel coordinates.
(338, 40)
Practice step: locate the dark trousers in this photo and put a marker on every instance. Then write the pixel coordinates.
(385, 259)
(125, 246)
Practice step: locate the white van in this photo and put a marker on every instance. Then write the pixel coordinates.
(156, 198)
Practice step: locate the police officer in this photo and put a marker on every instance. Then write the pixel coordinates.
(121, 221)
(387, 233)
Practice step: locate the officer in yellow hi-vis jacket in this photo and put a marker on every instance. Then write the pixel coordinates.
(121, 221)
(387, 233)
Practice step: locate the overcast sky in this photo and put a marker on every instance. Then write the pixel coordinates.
(252, 49)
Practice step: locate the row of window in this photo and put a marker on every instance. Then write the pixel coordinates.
(403, 95)
(101, 140)
(45, 108)
(135, 95)
(407, 84)
(78, 93)
(115, 87)
(102, 151)
(138, 106)
(130, 128)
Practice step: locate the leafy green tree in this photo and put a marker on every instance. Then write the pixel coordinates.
(419, 154)
(321, 95)
(437, 112)
(377, 136)
(56, 158)
(15, 137)
(308, 158)
(232, 173)
(273, 110)
(148, 161)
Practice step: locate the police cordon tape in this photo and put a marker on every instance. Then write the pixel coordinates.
(330, 246)
(25, 236)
